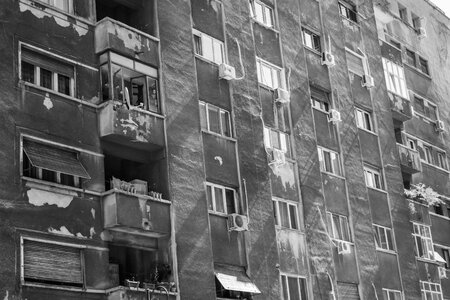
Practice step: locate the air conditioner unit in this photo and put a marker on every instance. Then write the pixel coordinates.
(368, 81)
(227, 72)
(439, 126)
(282, 95)
(343, 248)
(146, 225)
(328, 59)
(278, 157)
(237, 222)
(334, 116)
(442, 272)
(421, 31)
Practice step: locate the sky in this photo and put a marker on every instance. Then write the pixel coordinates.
(443, 5)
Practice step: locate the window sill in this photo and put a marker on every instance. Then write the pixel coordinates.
(314, 51)
(202, 58)
(393, 252)
(351, 22)
(433, 166)
(264, 86)
(25, 83)
(427, 260)
(231, 139)
(265, 26)
(321, 110)
(439, 216)
(375, 189)
(332, 174)
(288, 229)
(341, 241)
(219, 214)
(368, 131)
(56, 187)
(418, 71)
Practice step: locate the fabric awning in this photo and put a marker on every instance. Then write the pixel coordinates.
(235, 279)
(54, 159)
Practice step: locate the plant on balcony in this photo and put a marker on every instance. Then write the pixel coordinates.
(421, 193)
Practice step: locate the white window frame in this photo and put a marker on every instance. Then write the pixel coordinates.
(283, 140)
(333, 156)
(277, 216)
(426, 103)
(425, 240)
(217, 58)
(372, 173)
(430, 289)
(220, 112)
(364, 120)
(54, 4)
(394, 75)
(320, 105)
(54, 75)
(379, 243)
(266, 17)
(334, 234)
(275, 74)
(387, 292)
(348, 7)
(310, 38)
(224, 199)
(299, 278)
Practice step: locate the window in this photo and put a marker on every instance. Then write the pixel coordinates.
(403, 13)
(208, 47)
(364, 120)
(320, 99)
(337, 227)
(133, 83)
(285, 214)
(383, 237)
(423, 65)
(410, 57)
(392, 294)
(277, 139)
(215, 119)
(262, 13)
(293, 288)
(423, 241)
(425, 108)
(355, 63)
(395, 78)
(417, 22)
(441, 160)
(53, 164)
(329, 161)
(348, 11)
(49, 263)
(268, 74)
(64, 5)
(446, 256)
(320, 105)
(430, 290)
(437, 208)
(46, 72)
(373, 178)
(411, 143)
(311, 40)
(221, 199)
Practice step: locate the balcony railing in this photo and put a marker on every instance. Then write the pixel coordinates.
(401, 108)
(119, 37)
(409, 159)
(132, 127)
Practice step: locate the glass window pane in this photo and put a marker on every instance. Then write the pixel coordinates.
(198, 45)
(267, 138)
(259, 12)
(117, 82)
(303, 289)
(293, 288)
(62, 4)
(330, 225)
(218, 52)
(345, 231)
(27, 72)
(225, 117)
(274, 139)
(275, 78)
(218, 199)
(104, 73)
(335, 164)
(389, 239)
(207, 48)
(214, 121)
(383, 239)
(268, 17)
(209, 197)
(284, 215)
(231, 205)
(266, 73)
(307, 39)
(46, 78)
(337, 226)
(377, 236)
(285, 287)
(327, 160)
(293, 216)
(153, 97)
(63, 84)
(275, 212)
(283, 142)
(203, 124)
(368, 124)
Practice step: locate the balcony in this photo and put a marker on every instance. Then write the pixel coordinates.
(401, 108)
(133, 127)
(121, 38)
(409, 160)
(140, 215)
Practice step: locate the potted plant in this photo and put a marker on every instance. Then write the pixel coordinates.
(131, 283)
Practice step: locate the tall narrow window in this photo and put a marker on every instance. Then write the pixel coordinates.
(423, 65)
(221, 199)
(410, 57)
(208, 47)
(403, 13)
(348, 11)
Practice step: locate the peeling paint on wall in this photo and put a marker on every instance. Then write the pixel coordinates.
(290, 241)
(93, 213)
(6, 296)
(40, 198)
(48, 102)
(62, 230)
(286, 175)
(91, 232)
(36, 12)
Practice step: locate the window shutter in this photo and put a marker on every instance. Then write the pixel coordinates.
(46, 62)
(348, 291)
(49, 263)
(355, 64)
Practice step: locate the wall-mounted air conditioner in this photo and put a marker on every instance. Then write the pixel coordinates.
(328, 59)
(237, 222)
(343, 247)
(439, 126)
(334, 116)
(227, 72)
(282, 95)
(442, 272)
(367, 81)
(278, 157)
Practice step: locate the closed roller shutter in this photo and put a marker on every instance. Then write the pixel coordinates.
(49, 263)
(355, 64)
(348, 291)
(46, 62)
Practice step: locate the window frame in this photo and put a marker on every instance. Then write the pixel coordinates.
(366, 119)
(54, 75)
(276, 81)
(403, 13)
(320, 105)
(410, 57)
(277, 215)
(314, 40)
(426, 241)
(394, 75)
(426, 104)
(207, 122)
(364, 63)
(387, 296)
(423, 65)
(322, 152)
(375, 173)
(335, 234)
(214, 210)
(51, 3)
(198, 48)
(265, 10)
(301, 282)
(389, 242)
(351, 13)
(427, 290)
(283, 146)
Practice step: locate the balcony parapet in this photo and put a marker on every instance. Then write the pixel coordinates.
(409, 159)
(401, 107)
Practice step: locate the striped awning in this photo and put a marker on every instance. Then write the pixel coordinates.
(235, 279)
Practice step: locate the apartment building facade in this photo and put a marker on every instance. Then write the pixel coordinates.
(250, 149)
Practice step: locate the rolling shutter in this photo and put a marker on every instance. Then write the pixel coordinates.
(348, 291)
(49, 263)
(46, 62)
(355, 64)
